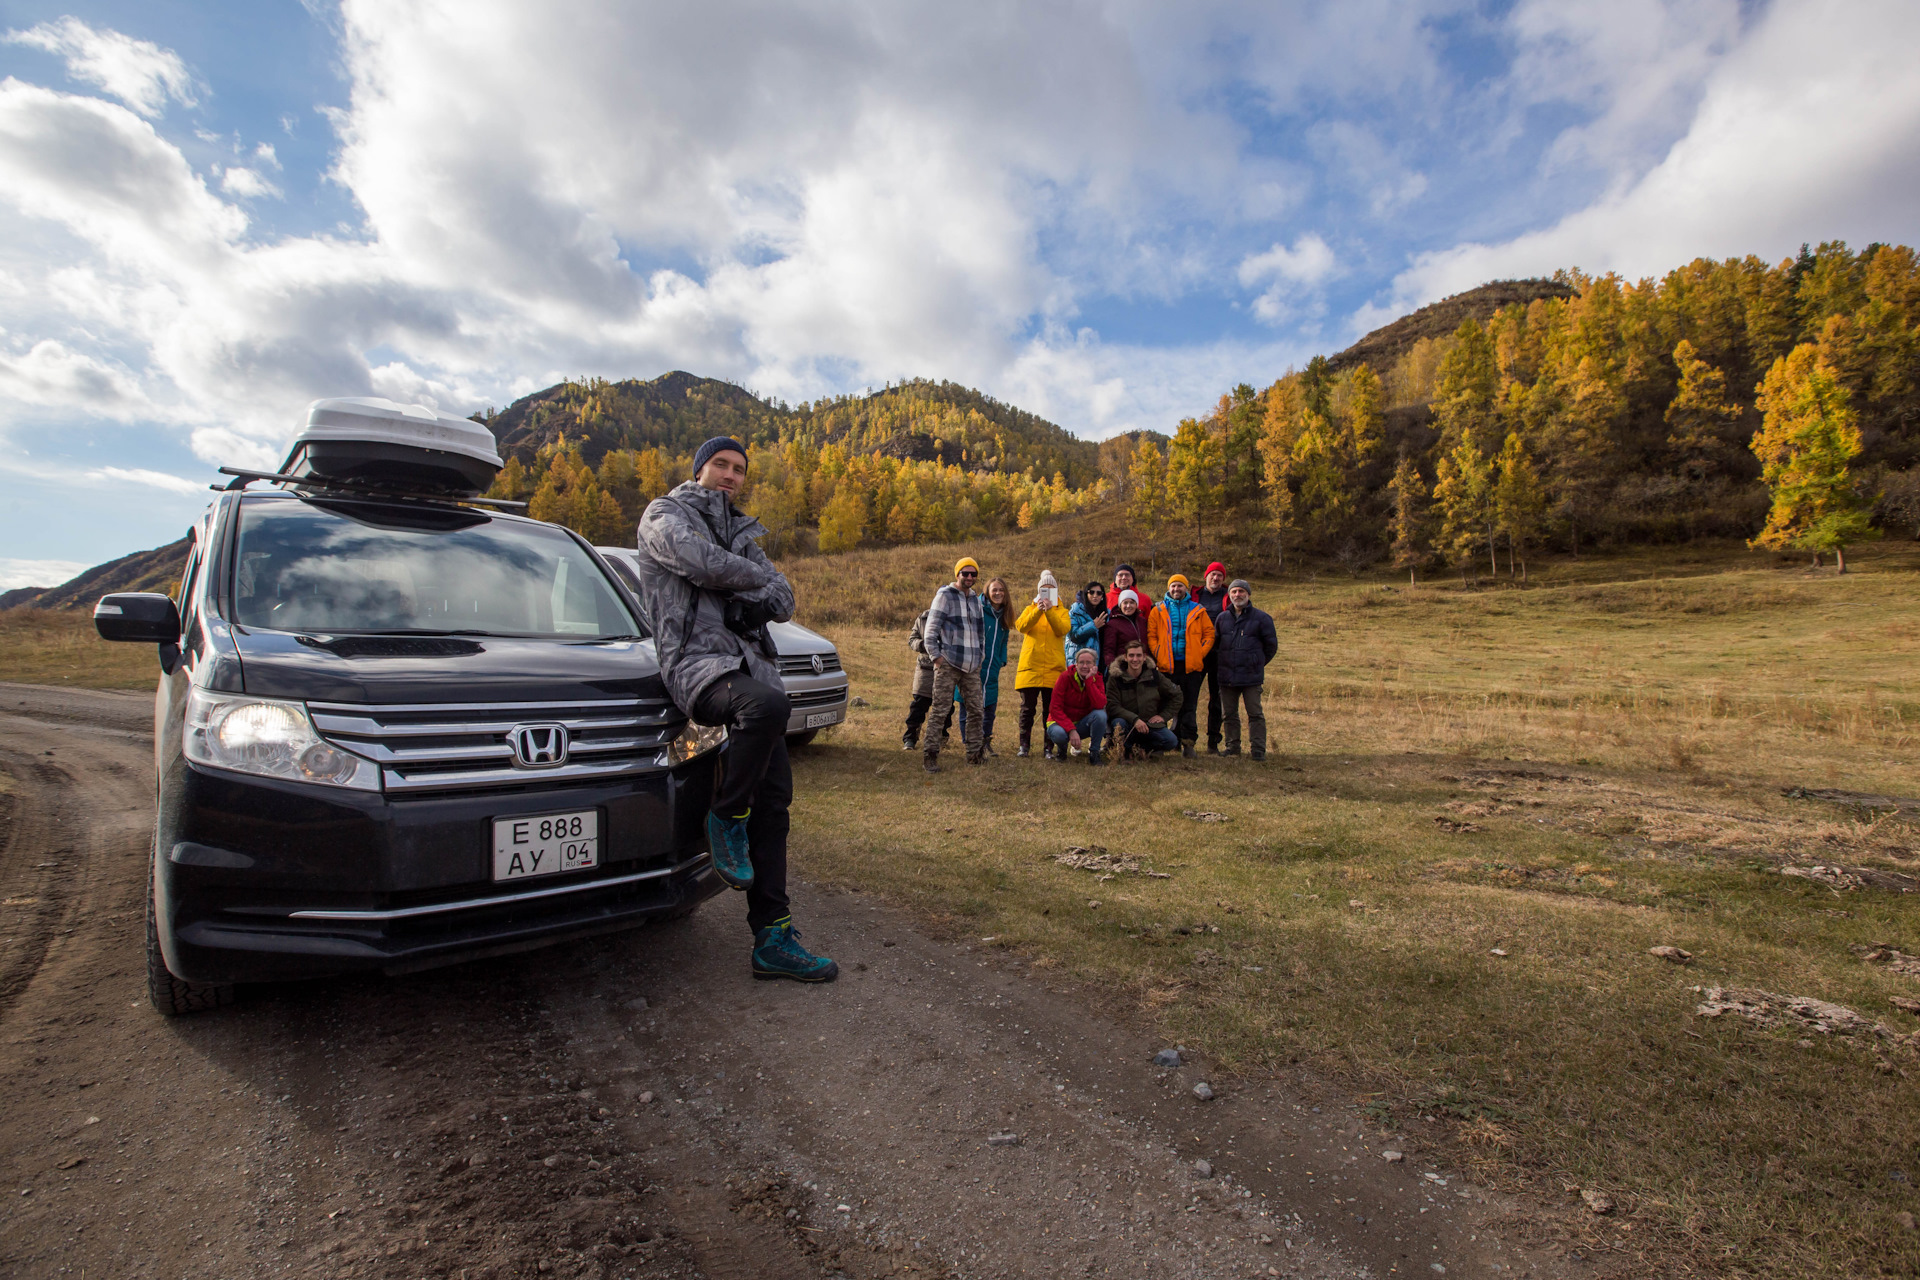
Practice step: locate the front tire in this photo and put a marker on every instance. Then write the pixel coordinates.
(171, 995)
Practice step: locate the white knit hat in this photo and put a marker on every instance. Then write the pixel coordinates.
(1046, 579)
(1130, 594)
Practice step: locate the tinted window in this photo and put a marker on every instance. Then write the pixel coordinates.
(340, 567)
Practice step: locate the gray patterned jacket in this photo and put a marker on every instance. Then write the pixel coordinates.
(696, 550)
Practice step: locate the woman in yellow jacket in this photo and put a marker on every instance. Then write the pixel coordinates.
(1043, 626)
(1180, 636)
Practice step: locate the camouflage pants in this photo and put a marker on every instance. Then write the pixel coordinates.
(946, 677)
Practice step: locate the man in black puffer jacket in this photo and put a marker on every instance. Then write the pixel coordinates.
(1244, 643)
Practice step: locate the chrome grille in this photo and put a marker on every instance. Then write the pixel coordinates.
(802, 664)
(462, 745)
(817, 697)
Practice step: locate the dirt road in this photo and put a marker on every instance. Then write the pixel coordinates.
(636, 1106)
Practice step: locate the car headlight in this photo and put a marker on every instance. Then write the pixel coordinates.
(696, 740)
(271, 739)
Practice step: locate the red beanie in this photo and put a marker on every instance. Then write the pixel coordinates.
(1216, 567)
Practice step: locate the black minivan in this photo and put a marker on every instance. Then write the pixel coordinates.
(396, 729)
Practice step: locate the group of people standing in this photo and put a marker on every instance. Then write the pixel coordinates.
(1116, 670)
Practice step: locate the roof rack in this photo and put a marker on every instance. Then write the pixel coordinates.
(323, 484)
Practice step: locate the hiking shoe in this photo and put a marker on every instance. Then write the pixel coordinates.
(1186, 749)
(727, 842)
(931, 762)
(1259, 753)
(909, 743)
(976, 758)
(1021, 750)
(1230, 751)
(777, 953)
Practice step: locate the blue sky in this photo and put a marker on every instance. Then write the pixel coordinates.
(1105, 211)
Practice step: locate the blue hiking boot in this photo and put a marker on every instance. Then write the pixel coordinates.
(777, 953)
(727, 842)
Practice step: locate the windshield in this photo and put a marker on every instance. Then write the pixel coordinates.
(343, 567)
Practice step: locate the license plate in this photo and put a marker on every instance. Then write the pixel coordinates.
(542, 844)
(823, 718)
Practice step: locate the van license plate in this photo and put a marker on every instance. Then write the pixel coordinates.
(542, 844)
(823, 718)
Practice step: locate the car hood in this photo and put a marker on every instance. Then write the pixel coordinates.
(790, 638)
(399, 669)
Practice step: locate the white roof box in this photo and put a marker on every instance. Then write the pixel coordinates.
(368, 441)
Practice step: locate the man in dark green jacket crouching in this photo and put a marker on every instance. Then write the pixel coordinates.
(1142, 704)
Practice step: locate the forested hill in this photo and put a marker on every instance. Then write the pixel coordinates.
(917, 420)
(918, 461)
(1776, 402)
(1384, 346)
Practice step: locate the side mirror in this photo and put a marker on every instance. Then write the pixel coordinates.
(146, 617)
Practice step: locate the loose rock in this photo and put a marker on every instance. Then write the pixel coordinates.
(1204, 815)
(1393, 1157)
(1673, 955)
(1597, 1202)
(1203, 1091)
(1764, 1008)
(1167, 1058)
(646, 1097)
(1906, 1221)
(1497, 951)
(1202, 1168)
(856, 702)
(1006, 1139)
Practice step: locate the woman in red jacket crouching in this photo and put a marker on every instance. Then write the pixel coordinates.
(1079, 714)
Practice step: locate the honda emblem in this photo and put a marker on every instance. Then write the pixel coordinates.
(538, 746)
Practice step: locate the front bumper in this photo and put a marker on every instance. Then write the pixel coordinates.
(263, 881)
(815, 697)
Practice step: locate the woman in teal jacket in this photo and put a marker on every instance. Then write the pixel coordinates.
(999, 613)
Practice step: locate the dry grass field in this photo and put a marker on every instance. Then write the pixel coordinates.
(1435, 902)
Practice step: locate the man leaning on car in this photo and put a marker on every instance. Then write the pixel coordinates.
(711, 591)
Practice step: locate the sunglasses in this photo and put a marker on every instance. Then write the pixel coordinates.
(968, 573)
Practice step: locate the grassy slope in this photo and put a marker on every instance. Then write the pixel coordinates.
(1621, 749)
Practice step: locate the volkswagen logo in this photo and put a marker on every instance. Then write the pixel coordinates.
(819, 664)
(538, 746)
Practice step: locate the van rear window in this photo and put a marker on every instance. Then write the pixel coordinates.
(360, 568)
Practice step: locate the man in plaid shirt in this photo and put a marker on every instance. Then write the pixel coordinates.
(955, 638)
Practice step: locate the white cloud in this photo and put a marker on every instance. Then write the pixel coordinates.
(149, 479)
(246, 184)
(139, 73)
(1295, 275)
(37, 573)
(49, 373)
(1804, 132)
(267, 156)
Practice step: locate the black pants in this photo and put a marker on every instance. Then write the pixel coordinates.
(1213, 702)
(755, 778)
(1188, 729)
(916, 717)
(1027, 697)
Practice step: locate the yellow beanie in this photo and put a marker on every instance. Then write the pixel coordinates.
(1180, 578)
(965, 562)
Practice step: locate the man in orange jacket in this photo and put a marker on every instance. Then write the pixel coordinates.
(1180, 636)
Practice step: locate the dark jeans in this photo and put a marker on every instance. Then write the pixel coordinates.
(1140, 736)
(1092, 728)
(1188, 729)
(917, 716)
(1027, 697)
(1213, 702)
(756, 778)
(986, 722)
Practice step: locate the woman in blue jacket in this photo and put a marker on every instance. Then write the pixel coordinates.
(1088, 615)
(999, 613)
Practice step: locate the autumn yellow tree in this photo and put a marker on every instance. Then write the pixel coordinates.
(1519, 502)
(1194, 483)
(1806, 440)
(1147, 507)
(1408, 526)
